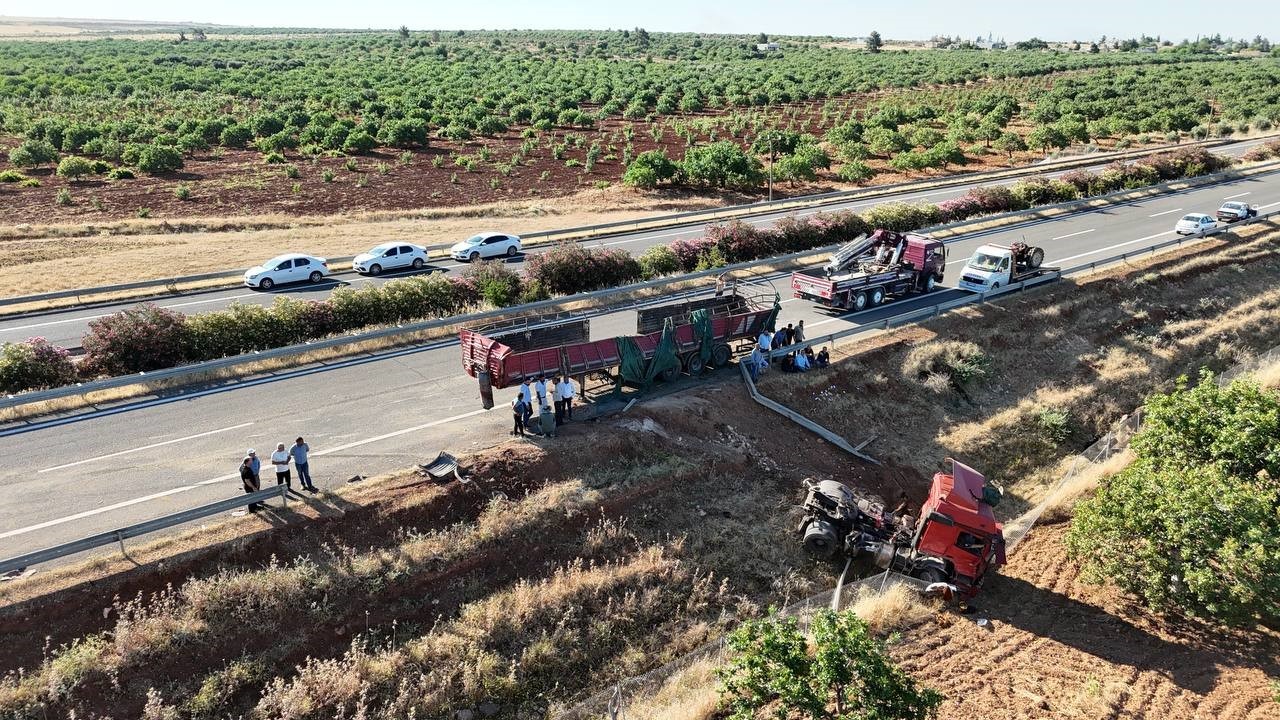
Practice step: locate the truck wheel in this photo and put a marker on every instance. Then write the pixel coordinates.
(930, 284)
(720, 355)
(1037, 257)
(929, 575)
(670, 374)
(877, 297)
(858, 302)
(693, 363)
(820, 539)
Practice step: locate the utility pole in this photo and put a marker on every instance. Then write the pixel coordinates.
(770, 166)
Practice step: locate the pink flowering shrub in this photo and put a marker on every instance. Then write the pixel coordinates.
(138, 339)
(34, 364)
(570, 268)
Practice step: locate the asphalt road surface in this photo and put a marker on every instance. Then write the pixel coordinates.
(65, 328)
(72, 476)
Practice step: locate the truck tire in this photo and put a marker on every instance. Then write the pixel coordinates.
(693, 363)
(930, 284)
(670, 374)
(929, 574)
(820, 539)
(720, 355)
(858, 301)
(876, 297)
(1035, 258)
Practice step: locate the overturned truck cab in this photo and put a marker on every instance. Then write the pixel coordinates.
(955, 540)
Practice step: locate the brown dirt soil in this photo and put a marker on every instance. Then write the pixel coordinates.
(1060, 648)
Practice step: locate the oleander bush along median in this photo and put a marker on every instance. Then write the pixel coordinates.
(147, 337)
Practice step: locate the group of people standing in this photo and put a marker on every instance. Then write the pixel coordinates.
(281, 459)
(792, 334)
(562, 393)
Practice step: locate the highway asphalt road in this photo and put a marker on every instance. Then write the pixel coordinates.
(65, 328)
(88, 473)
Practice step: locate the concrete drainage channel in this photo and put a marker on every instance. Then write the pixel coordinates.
(85, 297)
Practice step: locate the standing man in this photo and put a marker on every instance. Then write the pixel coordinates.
(765, 341)
(540, 388)
(799, 333)
(256, 465)
(299, 453)
(526, 393)
(280, 459)
(568, 393)
(557, 393)
(250, 480)
(517, 414)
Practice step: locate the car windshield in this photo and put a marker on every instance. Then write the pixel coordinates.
(983, 261)
(276, 261)
(380, 249)
(474, 240)
(1233, 205)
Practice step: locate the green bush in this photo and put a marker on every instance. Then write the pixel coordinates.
(1054, 424)
(12, 176)
(855, 171)
(29, 182)
(844, 674)
(1191, 526)
(498, 284)
(658, 261)
(34, 364)
(74, 167)
(157, 159)
(120, 174)
(273, 158)
(64, 197)
(960, 361)
(650, 168)
(32, 153)
(182, 192)
(722, 164)
(359, 142)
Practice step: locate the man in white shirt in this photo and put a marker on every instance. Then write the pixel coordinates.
(567, 392)
(557, 393)
(540, 389)
(280, 459)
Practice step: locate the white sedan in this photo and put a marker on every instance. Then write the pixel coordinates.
(1194, 223)
(486, 245)
(390, 256)
(288, 268)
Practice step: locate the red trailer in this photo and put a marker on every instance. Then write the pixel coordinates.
(689, 341)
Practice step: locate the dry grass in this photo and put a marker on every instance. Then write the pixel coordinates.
(896, 607)
(690, 694)
(1084, 478)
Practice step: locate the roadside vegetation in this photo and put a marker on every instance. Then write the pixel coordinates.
(148, 338)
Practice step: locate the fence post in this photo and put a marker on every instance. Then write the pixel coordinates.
(615, 702)
(120, 539)
(284, 496)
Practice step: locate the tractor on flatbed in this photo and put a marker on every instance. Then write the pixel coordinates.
(956, 539)
(995, 266)
(874, 269)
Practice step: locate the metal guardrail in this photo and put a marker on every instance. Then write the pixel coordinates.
(933, 311)
(474, 318)
(142, 528)
(584, 232)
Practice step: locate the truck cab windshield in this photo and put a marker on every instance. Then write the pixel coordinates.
(982, 261)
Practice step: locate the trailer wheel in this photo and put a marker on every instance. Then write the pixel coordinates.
(1037, 257)
(670, 374)
(720, 355)
(877, 297)
(693, 363)
(858, 301)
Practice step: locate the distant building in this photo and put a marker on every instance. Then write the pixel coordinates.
(1147, 49)
(766, 47)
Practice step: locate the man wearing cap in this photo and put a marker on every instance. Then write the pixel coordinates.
(255, 465)
(250, 482)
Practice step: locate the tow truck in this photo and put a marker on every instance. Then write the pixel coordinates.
(874, 269)
(995, 266)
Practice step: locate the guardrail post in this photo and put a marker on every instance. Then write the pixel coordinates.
(120, 539)
(284, 496)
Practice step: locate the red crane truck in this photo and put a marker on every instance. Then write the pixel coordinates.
(874, 269)
(956, 539)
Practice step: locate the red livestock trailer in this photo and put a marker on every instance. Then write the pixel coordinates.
(689, 341)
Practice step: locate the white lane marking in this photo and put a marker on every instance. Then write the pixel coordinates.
(1229, 197)
(1166, 212)
(1264, 207)
(146, 447)
(1112, 247)
(96, 317)
(958, 262)
(221, 478)
(1082, 232)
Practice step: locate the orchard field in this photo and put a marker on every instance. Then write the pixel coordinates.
(115, 128)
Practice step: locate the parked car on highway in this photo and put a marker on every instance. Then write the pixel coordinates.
(1232, 211)
(1194, 223)
(486, 245)
(390, 256)
(287, 268)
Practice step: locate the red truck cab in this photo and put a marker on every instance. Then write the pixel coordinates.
(958, 539)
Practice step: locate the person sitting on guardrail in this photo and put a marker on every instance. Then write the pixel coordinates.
(765, 343)
(281, 459)
(299, 453)
(754, 364)
(250, 480)
(823, 359)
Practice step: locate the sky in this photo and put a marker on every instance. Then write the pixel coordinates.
(895, 19)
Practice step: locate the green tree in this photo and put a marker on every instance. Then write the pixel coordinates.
(846, 676)
(32, 153)
(157, 159)
(650, 168)
(883, 141)
(358, 142)
(74, 167)
(874, 43)
(1010, 143)
(1046, 137)
(722, 164)
(1192, 525)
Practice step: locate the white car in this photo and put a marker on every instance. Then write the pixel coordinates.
(390, 256)
(486, 245)
(1232, 211)
(1194, 223)
(287, 268)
